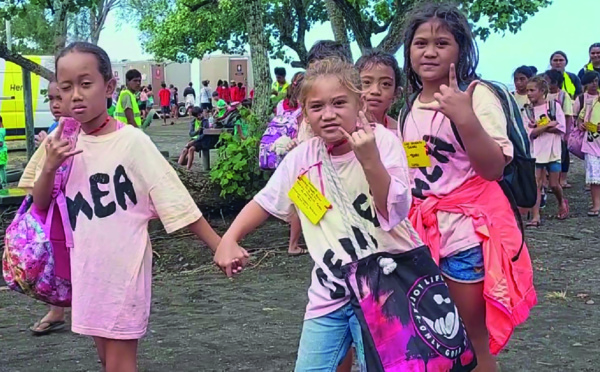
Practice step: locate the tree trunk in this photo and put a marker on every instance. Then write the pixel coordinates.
(258, 41)
(60, 27)
(394, 38)
(25, 63)
(338, 25)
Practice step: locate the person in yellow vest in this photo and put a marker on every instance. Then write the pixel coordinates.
(280, 85)
(127, 110)
(571, 82)
(594, 63)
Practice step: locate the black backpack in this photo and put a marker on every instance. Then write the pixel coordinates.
(518, 181)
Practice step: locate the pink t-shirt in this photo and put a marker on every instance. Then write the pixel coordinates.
(546, 148)
(588, 100)
(450, 165)
(117, 185)
(591, 113)
(329, 242)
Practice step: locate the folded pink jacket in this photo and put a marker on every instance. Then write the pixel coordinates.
(508, 284)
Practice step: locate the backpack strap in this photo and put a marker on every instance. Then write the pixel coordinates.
(279, 109)
(552, 109)
(529, 113)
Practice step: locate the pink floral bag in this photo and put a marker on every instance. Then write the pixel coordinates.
(577, 136)
(36, 259)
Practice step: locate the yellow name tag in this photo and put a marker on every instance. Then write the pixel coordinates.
(416, 153)
(309, 200)
(543, 121)
(591, 127)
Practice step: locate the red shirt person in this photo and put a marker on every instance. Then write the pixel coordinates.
(165, 101)
(234, 92)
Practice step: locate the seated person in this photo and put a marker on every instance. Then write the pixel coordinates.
(199, 122)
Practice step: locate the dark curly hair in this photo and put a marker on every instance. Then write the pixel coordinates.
(457, 24)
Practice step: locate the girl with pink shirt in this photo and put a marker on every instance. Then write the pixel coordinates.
(591, 84)
(455, 133)
(119, 181)
(365, 163)
(588, 120)
(547, 125)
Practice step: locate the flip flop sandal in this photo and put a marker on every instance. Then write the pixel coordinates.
(302, 252)
(565, 214)
(593, 213)
(51, 327)
(533, 224)
(567, 186)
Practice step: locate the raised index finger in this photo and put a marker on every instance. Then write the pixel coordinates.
(59, 129)
(366, 125)
(452, 77)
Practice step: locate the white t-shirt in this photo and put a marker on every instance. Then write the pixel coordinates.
(329, 242)
(205, 95)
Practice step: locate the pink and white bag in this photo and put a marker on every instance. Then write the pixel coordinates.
(36, 259)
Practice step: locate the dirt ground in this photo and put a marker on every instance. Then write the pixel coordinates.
(202, 321)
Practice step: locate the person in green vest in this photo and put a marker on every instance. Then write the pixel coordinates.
(594, 63)
(3, 155)
(127, 110)
(200, 120)
(571, 83)
(280, 85)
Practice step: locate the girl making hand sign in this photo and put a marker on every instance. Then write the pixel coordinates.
(112, 194)
(372, 168)
(457, 129)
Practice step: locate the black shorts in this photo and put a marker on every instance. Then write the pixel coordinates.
(206, 106)
(197, 144)
(166, 110)
(142, 105)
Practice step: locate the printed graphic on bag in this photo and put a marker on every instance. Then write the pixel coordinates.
(410, 321)
(445, 334)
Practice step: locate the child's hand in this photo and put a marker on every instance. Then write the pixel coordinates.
(291, 145)
(40, 137)
(230, 257)
(58, 149)
(362, 141)
(454, 103)
(552, 124)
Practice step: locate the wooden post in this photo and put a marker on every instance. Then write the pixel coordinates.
(205, 160)
(29, 128)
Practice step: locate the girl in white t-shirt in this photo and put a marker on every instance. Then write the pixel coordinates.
(372, 167)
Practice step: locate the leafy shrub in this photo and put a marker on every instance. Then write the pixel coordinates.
(237, 172)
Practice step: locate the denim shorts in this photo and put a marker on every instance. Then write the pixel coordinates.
(466, 266)
(325, 341)
(552, 167)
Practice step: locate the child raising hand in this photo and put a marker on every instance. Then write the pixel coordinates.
(371, 165)
(119, 181)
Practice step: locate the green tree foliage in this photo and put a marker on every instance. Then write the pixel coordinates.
(367, 18)
(182, 30)
(43, 27)
(237, 172)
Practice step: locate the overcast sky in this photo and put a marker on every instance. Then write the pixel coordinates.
(558, 27)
